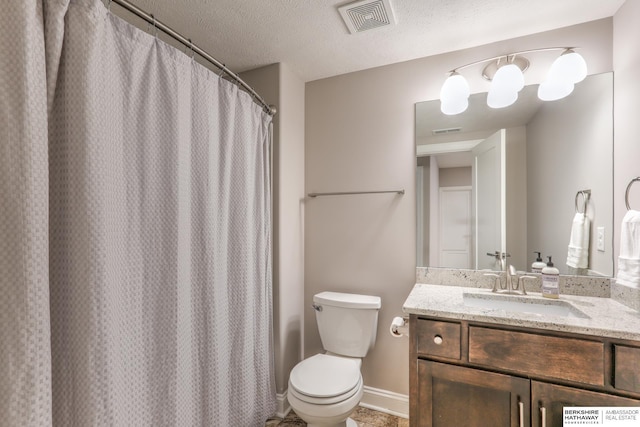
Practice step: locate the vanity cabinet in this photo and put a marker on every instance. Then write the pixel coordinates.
(486, 375)
(451, 395)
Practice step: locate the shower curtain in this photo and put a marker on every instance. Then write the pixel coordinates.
(135, 229)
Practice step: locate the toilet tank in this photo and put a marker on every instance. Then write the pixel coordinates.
(347, 322)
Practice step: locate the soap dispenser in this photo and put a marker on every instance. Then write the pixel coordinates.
(550, 281)
(538, 264)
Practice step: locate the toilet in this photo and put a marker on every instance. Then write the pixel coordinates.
(326, 388)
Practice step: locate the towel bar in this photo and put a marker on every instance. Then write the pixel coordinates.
(344, 193)
(585, 198)
(626, 193)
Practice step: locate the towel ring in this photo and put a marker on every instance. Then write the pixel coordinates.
(626, 193)
(585, 199)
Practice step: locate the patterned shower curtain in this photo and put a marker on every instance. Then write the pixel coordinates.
(135, 229)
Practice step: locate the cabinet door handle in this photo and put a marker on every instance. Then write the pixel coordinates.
(437, 339)
(543, 416)
(521, 410)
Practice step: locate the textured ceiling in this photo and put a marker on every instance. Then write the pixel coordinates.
(312, 39)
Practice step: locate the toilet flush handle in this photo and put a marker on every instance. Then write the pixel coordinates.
(316, 307)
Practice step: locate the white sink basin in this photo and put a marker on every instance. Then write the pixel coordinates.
(522, 304)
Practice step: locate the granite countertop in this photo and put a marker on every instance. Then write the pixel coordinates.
(605, 316)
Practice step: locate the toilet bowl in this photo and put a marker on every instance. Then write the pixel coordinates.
(325, 389)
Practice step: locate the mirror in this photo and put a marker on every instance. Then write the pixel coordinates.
(551, 151)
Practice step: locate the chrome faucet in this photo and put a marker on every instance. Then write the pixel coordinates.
(513, 281)
(513, 284)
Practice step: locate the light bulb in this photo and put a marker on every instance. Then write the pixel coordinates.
(454, 95)
(455, 87)
(567, 70)
(570, 67)
(508, 77)
(506, 84)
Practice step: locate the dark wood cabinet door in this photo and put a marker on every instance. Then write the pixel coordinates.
(451, 395)
(549, 401)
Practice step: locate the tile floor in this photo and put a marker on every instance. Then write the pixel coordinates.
(363, 416)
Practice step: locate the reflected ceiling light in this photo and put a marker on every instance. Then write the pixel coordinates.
(454, 95)
(506, 74)
(454, 107)
(554, 90)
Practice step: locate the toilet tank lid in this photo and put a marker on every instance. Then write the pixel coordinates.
(339, 299)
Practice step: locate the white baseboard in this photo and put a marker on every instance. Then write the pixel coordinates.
(283, 407)
(391, 403)
(385, 401)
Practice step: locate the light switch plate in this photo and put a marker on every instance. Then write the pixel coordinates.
(600, 239)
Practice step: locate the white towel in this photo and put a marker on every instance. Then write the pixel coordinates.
(629, 258)
(578, 253)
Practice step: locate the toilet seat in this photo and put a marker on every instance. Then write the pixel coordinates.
(325, 379)
(325, 400)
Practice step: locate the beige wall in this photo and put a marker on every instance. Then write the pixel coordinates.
(279, 86)
(584, 151)
(516, 195)
(626, 63)
(434, 210)
(455, 177)
(425, 164)
(366, 244)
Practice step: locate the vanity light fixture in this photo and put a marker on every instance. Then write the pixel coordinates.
(506, 73)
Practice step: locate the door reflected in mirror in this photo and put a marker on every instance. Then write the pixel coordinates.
(520, 195)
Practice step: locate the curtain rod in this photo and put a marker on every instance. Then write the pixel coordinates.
(188, 43)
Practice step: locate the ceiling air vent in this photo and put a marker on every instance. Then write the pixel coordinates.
(445, 131)
(366, 15)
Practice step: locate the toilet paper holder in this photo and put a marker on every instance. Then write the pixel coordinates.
(399, 327)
